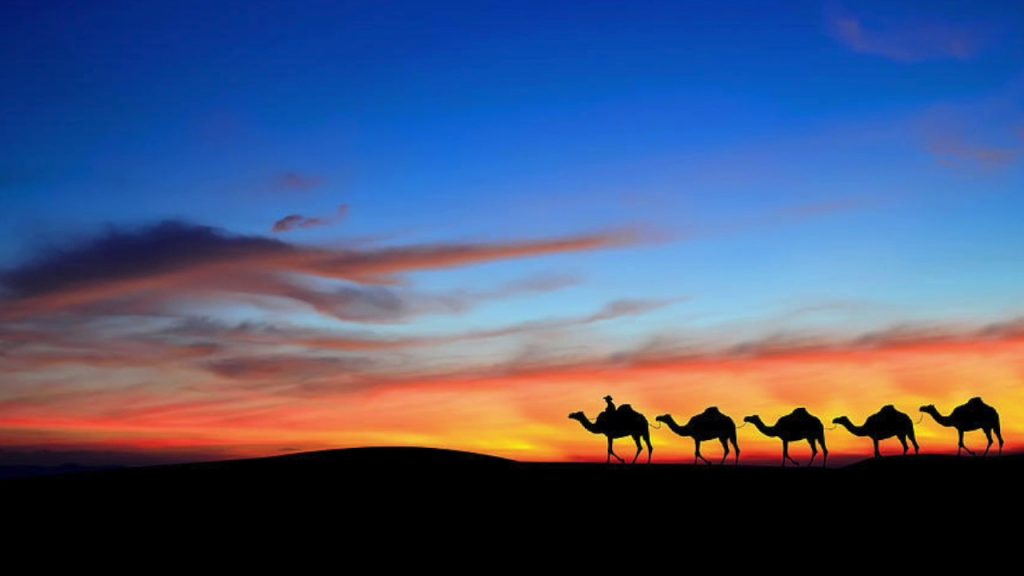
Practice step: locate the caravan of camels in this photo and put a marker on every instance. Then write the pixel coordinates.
(711, 424)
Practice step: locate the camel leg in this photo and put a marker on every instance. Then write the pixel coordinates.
(785, 454)
(650, 449)
(913, 440)
(612, 453)
(961, 445)
(725, 449)
(824, 451)
(877, 453)
(814, 450)
(988, 435)
(736, 447)
(999, 435)
(639, 448)
(903, 440)
(697, 454)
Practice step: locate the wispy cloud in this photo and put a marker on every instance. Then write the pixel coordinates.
(982, 134)
(300, 222)
(149, 268)
(954, 151)
(906, 40)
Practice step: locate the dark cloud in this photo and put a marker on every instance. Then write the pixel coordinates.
(127, 254)
(299, 222)
(284, 369)
(140, 270)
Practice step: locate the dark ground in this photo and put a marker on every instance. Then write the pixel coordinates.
(918, 508)
(422, 477)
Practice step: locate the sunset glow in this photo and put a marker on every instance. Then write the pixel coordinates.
(363, 224)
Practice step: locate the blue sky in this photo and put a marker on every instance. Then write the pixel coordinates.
(847, 166)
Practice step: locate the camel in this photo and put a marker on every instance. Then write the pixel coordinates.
(885, 423)
(797, 425)
(623, 422)
(708, 425)
(972, 415)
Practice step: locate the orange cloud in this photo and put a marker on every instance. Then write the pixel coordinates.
(519, 409)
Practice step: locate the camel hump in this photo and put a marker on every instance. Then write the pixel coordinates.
(626, 409)
(976, 401)
(800, 411)
(712, 410)
(888, 408)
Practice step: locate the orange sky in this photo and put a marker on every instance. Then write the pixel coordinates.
(521, 411)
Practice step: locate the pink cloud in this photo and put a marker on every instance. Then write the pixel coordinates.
(908, 41)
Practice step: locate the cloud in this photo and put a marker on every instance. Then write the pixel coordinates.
(909, 40)
(953, 151)
(299, 222)
(796, 349)
(611, 311)
(148, 268)
(195, 331)
(297, 182)
(788, 215)
(979, 134)
(537, 284)
(283, 369)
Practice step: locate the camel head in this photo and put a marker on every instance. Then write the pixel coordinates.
(841, 420)
(664, 418)
(577, 416)
(755, 419)
(929, 409)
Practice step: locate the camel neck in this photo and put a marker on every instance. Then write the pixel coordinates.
(853, 428)
(764, 428)
(944, 420)
(675, 427)
(590, 426)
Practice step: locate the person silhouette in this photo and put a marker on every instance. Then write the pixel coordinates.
(610, 409)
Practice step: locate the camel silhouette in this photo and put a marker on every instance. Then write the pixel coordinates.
(885, 423)
(623, 422)
(797, 425)
(972, 415)
(708, 425)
